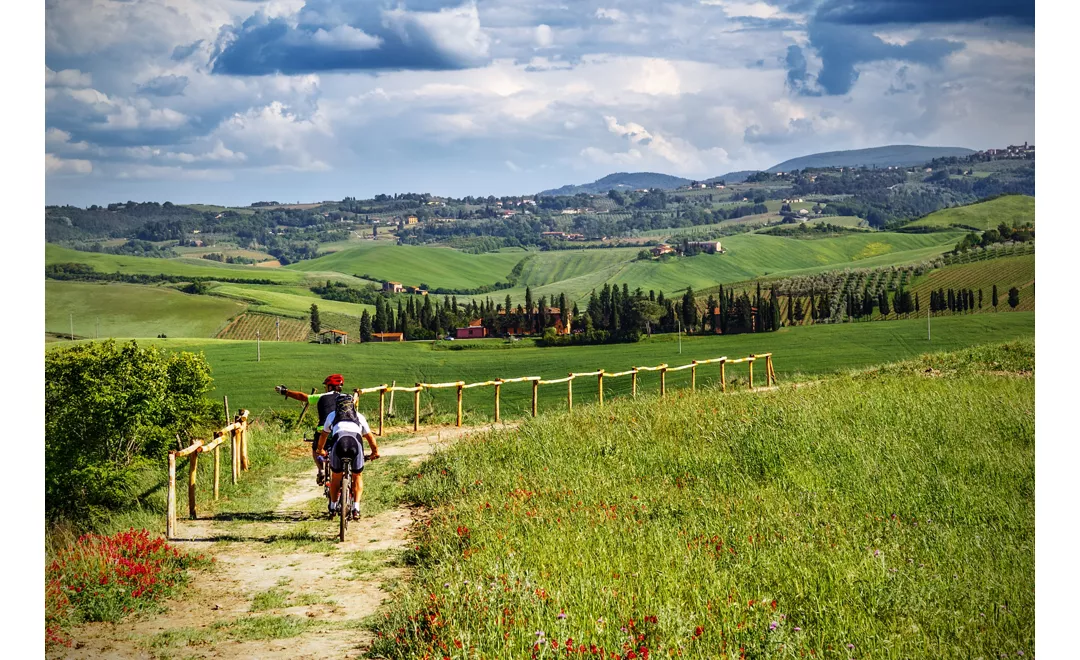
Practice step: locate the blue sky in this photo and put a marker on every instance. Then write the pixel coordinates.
(235, 101)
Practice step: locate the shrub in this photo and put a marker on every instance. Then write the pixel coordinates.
(104, 578)
(109, 409)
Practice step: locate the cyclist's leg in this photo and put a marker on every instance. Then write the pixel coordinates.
(336, 469)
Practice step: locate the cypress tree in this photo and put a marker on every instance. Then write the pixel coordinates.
(790, 309)
(884, 304)
(916, 302)
(365, 326)
(1014, 297)
(813, 307)
(316, 325)
(775, 305)
(980, 298)
(994, 298)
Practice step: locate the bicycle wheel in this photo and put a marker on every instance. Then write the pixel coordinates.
(343, 501)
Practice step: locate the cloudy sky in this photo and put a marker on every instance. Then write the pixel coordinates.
(234, 101)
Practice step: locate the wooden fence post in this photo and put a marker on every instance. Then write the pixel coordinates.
(245, 465)
(498, 387)
(460, 390)
(416, 408)
(723, 378)
(633, 383)
(600, 386)
(217, 467)
(225, 399)
(235, 455)
(663, 385)
(751, 372)
(193, 477)
(382, 409)
(570, 393)
(769, 377)
(536, 391)
(170, 499)
(693, 376)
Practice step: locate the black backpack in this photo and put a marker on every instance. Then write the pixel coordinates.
(344, 411)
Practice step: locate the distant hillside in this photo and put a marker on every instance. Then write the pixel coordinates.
(1010, 209)
(897, 155)
(621, 181)
(732, 177)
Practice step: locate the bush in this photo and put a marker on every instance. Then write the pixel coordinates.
(110, 410)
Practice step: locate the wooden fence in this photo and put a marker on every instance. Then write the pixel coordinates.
(237, 434)
(536, 381)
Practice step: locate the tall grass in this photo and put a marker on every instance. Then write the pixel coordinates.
(883, 514)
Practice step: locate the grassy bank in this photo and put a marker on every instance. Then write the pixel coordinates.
(800, 352)
(884, 514)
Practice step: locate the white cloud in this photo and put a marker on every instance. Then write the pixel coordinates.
(55, 165)
(544, 36)
(346, 37)
(736, 9)
(67, 78)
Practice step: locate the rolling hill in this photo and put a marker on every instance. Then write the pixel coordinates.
(897, 155)
(621, 181)
(1010, 209)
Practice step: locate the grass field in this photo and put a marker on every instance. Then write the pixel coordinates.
(800, 352)
(266, 327)
(132, 310)
(1006, 272)
(111, 263)
(882, 515)
(288, 301)
(1010, 209)
(413, 265)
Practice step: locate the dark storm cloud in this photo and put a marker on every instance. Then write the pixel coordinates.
(882, 12)
(354, 36)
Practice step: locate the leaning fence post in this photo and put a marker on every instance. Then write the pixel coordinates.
(536, 388)
(193, 477)
(498, 387)
(751, 372)
(217, 466)
(416, 408)
(600, 386)
(770, 378)
(663, 384)
(693, 376)
(633, 382)
(382, 409)
(460, 389)
(723, 378)
(570, 393)
(170, 499)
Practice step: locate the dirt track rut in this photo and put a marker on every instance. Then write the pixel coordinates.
(287, 562)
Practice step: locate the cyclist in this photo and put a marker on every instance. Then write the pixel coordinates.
(346, 427)
(324, 403)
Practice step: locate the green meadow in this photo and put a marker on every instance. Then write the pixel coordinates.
(193, 267)
(886, 514)
(1010, 209)
(800, 353)
(132, 310)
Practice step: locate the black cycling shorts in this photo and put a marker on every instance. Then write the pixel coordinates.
(347, 447)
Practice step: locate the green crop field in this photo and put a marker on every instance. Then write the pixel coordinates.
(1010, 209)
(111, 263)
(560, 265)
(133, 310)
(414, 265)
(1005, 272)
(288, 301)
(878, 515)
(799, 352)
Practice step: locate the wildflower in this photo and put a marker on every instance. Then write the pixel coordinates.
(797, 629)
(850, 646)
(562, 615)
(773, 626)
(877, 553)
(698, 630)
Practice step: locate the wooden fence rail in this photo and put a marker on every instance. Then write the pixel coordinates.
(536, 382)
(237, 432)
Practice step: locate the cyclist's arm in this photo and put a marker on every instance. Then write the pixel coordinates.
(322, 439)
(298, 396)
(370, 437)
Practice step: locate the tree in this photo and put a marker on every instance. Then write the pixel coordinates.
(980, 298)
(799, 313)
(365, 326)
(649, 313)
(316, 325)
(994, 297)
(883, 305)
(1014, 297)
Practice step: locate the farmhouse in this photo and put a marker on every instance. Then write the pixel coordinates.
(387, 336)
(411, 220)
(662, 249)
(415, 290)
(393, 287)
(476, 330)
(333, 337)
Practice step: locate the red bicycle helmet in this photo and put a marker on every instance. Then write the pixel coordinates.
(334, 379)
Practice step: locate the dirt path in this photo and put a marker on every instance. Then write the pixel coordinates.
(287, 564)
